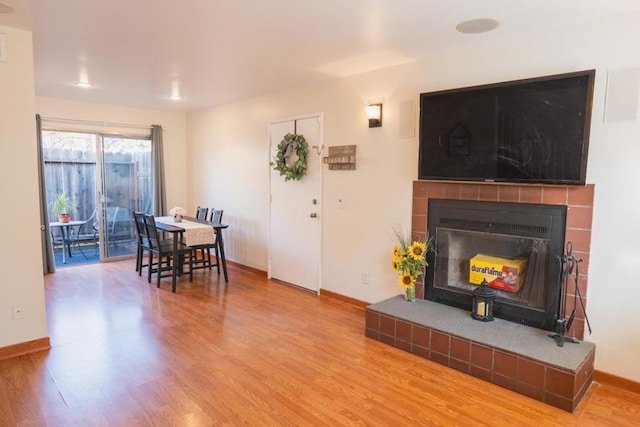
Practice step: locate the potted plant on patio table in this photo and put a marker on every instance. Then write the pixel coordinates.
(63, 206)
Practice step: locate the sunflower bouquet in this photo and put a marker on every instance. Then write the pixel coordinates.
(409, 259)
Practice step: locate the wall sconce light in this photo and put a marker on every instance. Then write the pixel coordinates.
(374, 114)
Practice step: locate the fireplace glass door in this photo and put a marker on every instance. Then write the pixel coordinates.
(516, 247)
(456, 248)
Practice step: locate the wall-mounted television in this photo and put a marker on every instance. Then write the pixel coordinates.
(526, 131)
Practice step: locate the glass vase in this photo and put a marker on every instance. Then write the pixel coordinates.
(410, 294)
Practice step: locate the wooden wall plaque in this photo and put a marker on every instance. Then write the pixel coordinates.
(341, 157)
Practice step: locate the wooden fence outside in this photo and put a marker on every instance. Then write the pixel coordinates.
(127, 180)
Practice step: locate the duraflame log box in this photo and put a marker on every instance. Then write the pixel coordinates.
(506, 274)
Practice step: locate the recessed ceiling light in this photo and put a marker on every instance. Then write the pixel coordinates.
(175, 91)
(476, 26)
(5, 7)
(84, 85)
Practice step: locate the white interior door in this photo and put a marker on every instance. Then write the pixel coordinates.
(294, 255)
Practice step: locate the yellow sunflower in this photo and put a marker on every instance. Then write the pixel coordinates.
(407, 280)
(417, 250)
(396, 251)
(395, 264)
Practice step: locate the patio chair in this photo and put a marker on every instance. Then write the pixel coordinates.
(87, 233)
(118, 224)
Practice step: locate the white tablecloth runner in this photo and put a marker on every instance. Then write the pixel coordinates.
(194, 232)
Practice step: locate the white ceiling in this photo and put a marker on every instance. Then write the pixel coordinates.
(220, 51)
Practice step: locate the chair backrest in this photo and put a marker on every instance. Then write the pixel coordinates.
(110, 218)
(90, 227)
(152, 232)
(93, 219)
(141, 228)
(216, 215)
(201, 213)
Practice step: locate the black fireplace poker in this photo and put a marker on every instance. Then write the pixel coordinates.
(568, 263)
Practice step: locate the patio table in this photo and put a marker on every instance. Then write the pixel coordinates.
(65, 231)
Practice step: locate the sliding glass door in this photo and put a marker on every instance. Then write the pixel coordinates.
(105, 177)
(126, 186)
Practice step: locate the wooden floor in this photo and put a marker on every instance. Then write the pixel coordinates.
(251, 352)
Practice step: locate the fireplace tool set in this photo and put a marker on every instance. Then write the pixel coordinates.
(568, 268)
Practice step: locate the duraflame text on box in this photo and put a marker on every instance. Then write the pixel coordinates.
(500, 273)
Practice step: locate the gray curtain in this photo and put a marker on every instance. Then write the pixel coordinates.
(159, 189)
(48, 262)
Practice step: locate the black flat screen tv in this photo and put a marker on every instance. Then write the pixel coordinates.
(525, 131)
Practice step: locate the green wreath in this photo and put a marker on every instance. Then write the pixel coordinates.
(286, 147)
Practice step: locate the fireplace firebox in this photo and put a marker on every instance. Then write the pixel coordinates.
(530, 235)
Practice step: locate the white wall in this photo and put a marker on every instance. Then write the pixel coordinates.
(20, 251)
(173, 124)
(228, 153)
(614, 159)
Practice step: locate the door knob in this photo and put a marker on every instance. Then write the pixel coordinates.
(313, 215)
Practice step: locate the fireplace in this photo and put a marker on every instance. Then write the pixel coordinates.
(526, 238)
(511, 355)
(578, 201)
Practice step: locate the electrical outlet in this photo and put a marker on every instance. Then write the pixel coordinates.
(16, 312)
(365, 278)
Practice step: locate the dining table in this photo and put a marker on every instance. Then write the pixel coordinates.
(66, 229)
(193, 232)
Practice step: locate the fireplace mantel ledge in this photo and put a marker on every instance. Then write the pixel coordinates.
(507, 336)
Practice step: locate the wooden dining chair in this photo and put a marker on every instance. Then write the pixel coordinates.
(201, 213)
(143, 241)
(204, 260)
(216, 215)
(163, 250)
(199, 253)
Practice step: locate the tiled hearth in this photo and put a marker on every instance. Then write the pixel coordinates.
(513, 356)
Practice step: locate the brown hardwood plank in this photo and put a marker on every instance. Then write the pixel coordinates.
(252, 352)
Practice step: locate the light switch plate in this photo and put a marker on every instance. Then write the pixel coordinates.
(3, 47)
